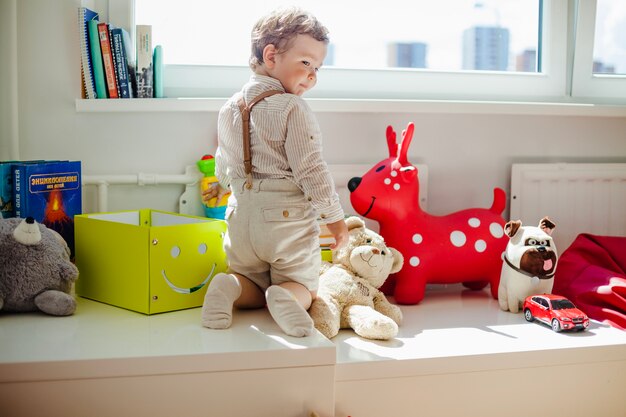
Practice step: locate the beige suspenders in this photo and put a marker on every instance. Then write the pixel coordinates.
(245, 117)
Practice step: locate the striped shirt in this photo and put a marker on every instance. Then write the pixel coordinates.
(285, 142)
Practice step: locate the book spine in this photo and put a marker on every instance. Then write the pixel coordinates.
(107, 59)
(121, 63)
(115, 58)
(157, 62)
(6, 189)
(145, 80)
(96, 59)
(19, 185)
(131, 63)
(88, 84)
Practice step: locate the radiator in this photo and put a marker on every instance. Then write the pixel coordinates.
(579, 198)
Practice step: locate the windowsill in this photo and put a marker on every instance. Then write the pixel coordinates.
(454, 341)
(364, 106)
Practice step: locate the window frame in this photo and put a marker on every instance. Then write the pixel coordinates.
(563, 78)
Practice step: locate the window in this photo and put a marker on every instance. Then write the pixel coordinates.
(496, 35)
(609, 45)
(600, 51)
(503, 50)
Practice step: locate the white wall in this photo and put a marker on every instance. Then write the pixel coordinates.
(467, 154)
(8, 79)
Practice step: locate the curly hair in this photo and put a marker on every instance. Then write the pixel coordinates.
(281, 26)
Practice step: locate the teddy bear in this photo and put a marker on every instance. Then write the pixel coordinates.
(35, 269)
(529, 263)
(349, 295)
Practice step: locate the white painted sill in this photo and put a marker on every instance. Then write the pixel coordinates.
(363, 106)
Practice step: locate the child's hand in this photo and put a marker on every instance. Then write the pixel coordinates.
(214, 190)
(340, 233)
(210, 192)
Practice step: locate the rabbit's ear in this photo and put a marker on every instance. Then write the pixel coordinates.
(391, 142)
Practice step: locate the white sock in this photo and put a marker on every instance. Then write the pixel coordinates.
(217, 309)
(290, 316)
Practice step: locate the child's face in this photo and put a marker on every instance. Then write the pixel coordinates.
(296, 68)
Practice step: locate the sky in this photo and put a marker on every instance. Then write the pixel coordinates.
(194, 32)
(610, 36)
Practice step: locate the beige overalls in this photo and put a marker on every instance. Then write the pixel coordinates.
(272, 228)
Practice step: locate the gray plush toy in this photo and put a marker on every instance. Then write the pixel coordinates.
(35, 269)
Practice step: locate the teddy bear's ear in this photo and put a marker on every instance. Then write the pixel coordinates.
(398, 261)
(354, 222)
(27, 232)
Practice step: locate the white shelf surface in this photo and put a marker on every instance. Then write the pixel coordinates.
(105, 341)
(457, 341)
(451, 330)
(457, 330)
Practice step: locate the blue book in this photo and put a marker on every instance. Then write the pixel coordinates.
(7, 208)
(122, 65)
(6, 189)
(51, 193)
(84, 16)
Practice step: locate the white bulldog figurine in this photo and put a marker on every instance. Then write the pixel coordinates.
(529, 263)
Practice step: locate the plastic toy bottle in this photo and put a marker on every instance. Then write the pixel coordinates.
(212, 208)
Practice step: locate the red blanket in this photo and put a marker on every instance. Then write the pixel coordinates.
(592, 274)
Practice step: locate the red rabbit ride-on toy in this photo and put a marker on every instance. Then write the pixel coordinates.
(555, 311)
(462, 247)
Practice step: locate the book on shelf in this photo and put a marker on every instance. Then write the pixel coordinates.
(86, 67)
(50, 192)
(145, 80)
(7, 208)
(157, 61)
(131, 58)
(114, 58)
(120, 40)
(107, 60)
(96, 59)
(6, 189)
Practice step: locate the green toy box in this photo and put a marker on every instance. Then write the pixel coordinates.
(146, 260)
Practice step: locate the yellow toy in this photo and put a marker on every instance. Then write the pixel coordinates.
(212, 207)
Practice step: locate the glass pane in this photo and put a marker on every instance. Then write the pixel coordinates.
(609, 49)
(453, 35)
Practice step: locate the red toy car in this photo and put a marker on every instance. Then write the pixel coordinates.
(555, 311)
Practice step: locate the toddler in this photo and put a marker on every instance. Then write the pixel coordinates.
(270, 155)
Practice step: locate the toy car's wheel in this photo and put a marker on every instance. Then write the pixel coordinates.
(528, 315)
(556, 326)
